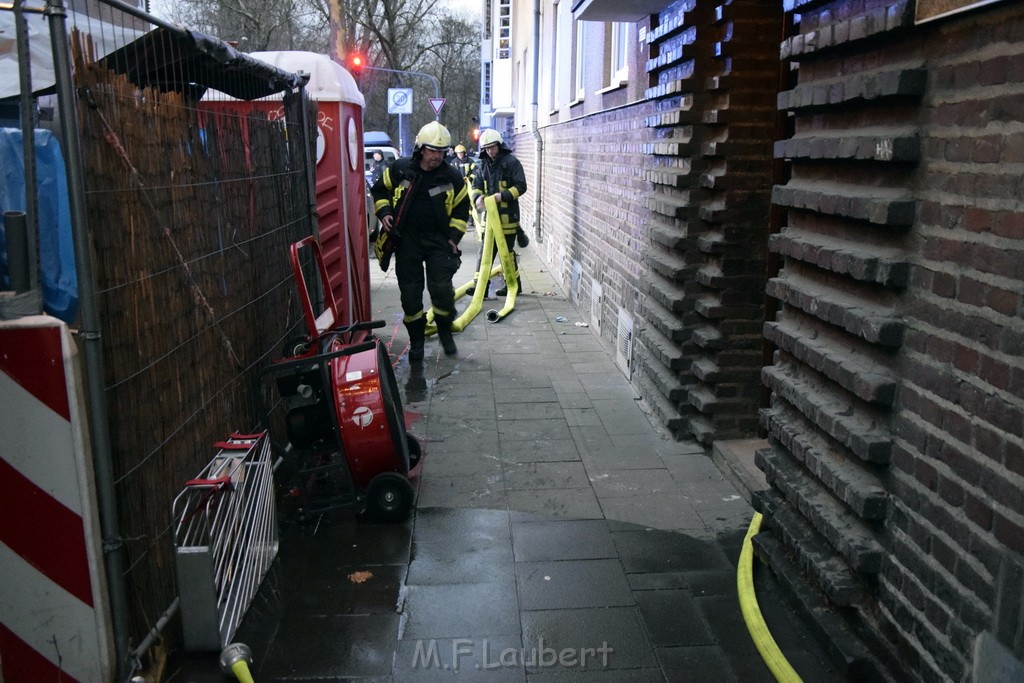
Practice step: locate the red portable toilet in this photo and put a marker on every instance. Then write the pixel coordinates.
(340, 182)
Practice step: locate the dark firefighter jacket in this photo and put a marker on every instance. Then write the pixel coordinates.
(502, 174)
(465, 166)
(447, 191)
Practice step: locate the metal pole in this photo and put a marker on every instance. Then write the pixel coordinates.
(437, 83)
(307, 160)
(28, 141)
(89, 331)
(433, 79)
(15, 230)
(309, 173)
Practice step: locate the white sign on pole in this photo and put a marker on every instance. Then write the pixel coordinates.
(399, 100)
(436, 103)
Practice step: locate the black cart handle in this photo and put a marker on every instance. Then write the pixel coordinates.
(306, 361)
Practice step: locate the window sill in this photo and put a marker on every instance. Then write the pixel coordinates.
(575, 102)
(613, 87)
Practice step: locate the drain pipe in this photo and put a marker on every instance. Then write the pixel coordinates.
(538, 142)
(89, 332)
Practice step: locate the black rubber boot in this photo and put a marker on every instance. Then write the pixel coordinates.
(522, 239)
(416, 330)
(444, 333)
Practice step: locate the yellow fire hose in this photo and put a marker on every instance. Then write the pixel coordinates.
(492, 237)
(235, 660)
(752, 617)
(508, 263)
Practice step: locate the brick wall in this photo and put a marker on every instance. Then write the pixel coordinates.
(896, 457)
(666, 205)
(594, 221)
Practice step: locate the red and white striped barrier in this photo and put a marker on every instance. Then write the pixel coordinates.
(54, 615)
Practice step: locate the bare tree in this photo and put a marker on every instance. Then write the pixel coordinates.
(454, 57)
(256, 24)
(391, 35)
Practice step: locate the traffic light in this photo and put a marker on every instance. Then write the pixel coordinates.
(356, 61)
(476, 135)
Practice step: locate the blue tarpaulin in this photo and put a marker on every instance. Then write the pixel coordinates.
(56, 247)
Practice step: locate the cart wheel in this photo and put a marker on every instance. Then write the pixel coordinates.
(389, 497)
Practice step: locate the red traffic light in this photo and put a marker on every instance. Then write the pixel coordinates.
(476, 134)
(356, 62)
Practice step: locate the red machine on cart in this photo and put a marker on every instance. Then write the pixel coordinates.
(342, 412)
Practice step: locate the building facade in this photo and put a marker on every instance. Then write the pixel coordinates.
(802, 221)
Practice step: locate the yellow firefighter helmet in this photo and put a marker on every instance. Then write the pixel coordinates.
(434, 136)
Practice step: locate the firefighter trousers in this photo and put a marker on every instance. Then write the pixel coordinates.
(440, 267)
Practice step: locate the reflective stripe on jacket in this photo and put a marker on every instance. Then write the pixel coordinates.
(448, 193)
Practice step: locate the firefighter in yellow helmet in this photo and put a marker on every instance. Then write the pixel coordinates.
(463, 162)
(423, 204)
(499, 173)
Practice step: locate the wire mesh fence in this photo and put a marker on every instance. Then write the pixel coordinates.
(191, 208)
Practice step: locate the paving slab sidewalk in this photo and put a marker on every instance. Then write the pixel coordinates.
(559, 534)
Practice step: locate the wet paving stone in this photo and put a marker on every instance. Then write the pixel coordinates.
(665, 551)
(349, 589)
(556, 503)
(461, 546)
(610, 676)
(630, 483)
(330, 647)
(658, 581)
(598, 638)
(668, 511)
(571, 584)
(562, 540)
(478, 491)
(461, 610)
(458, 659)
(680, 663)
(672, 618)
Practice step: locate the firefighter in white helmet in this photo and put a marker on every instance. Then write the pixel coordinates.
(499, 173)
(423, 205)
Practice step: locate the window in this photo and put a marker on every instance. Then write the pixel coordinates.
(485, 95)
(556, 74)
(505, 29)
(617, 68)
(578, 85)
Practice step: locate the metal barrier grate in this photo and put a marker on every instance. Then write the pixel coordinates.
(225, 539)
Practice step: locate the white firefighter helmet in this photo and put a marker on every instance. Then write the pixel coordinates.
(489, 137)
